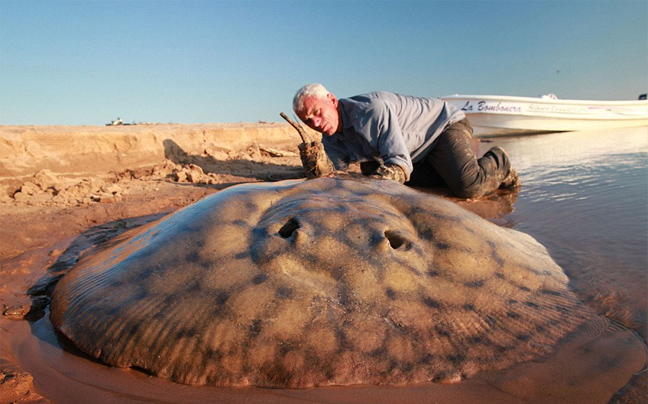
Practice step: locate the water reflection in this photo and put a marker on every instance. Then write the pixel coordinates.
(585, 197)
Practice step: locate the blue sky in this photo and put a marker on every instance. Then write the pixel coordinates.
(88, 62)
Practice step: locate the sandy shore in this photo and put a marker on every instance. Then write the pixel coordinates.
(57, 183)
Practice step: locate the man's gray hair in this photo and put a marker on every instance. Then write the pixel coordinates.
(309, 90)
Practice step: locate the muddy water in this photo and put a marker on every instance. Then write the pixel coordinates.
(584, 196)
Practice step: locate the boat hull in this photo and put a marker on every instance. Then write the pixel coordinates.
(508, 116)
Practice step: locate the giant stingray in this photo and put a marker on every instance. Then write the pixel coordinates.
(318, 282)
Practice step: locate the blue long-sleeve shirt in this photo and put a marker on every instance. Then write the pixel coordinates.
(389, 128)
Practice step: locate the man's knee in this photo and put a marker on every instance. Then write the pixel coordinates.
(500, 157)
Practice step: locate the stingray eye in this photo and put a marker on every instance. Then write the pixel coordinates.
(288, 229)
(397, 241)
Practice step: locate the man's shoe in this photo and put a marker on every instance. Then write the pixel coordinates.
(512, 180)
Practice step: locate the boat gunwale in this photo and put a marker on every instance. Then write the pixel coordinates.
(456, 97)
(562, 116)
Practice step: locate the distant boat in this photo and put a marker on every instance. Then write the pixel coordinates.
(493, 115)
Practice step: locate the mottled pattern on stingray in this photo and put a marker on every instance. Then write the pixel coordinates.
(318, 282)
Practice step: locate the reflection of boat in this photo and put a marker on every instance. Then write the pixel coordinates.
(493, 115)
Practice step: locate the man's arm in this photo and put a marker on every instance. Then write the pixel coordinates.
(315, 160)
(313, 156)
(382, 130)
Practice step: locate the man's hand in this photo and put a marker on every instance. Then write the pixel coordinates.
(390, 172)
(315, 160)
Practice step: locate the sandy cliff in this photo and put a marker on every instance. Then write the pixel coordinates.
(91, 150)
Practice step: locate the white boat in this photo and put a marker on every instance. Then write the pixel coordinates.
(492, 115)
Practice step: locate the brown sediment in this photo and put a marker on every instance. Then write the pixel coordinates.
(71, 186)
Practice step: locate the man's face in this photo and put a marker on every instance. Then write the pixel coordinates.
(321, 114)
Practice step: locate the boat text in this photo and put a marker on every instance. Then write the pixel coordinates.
(502, 107)
(483, 106)
(558, 109)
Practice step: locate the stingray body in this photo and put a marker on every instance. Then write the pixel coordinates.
(317, 282)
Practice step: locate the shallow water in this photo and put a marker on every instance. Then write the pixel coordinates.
(584, 196)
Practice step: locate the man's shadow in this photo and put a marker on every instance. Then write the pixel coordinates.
(240, 167)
